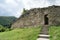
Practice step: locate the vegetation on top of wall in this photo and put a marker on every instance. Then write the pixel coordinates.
(24, 11)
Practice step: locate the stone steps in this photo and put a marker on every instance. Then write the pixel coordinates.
(43, 37)
(44, 34)
(45, 29)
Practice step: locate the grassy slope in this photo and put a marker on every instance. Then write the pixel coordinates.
(55, 33)
(20, 34)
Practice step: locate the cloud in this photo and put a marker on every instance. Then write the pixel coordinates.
(14, 7)
(35, 3)
(2, 1)
(11, 8)
(57, 2)
(52, 2)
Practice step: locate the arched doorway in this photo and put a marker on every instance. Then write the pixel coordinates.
(46, 19)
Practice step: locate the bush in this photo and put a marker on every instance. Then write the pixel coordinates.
(2, 28)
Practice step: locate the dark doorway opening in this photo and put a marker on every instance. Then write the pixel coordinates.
(46, 19)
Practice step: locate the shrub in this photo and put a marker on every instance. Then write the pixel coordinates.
(2, 28)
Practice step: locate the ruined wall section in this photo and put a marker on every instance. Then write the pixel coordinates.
(54, 15)
(33, 17)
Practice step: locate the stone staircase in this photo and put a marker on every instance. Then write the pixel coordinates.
(44, 34)
(45, 30)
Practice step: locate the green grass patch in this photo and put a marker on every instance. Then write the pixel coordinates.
(21, 34)
(54, 32)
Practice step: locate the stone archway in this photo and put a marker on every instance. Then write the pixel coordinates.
(46, 22)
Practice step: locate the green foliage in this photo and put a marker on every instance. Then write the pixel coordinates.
(54, 32)
(21, 34)
(2, 29)
(24, 11)
(7, 21)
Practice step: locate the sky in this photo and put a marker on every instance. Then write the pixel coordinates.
(15, 7)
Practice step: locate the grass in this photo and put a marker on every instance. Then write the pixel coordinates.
(54, 32)
(21, 34)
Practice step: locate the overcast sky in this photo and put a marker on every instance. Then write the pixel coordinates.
(14, 7)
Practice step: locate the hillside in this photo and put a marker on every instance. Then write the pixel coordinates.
(7, 20)
(21, 34)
